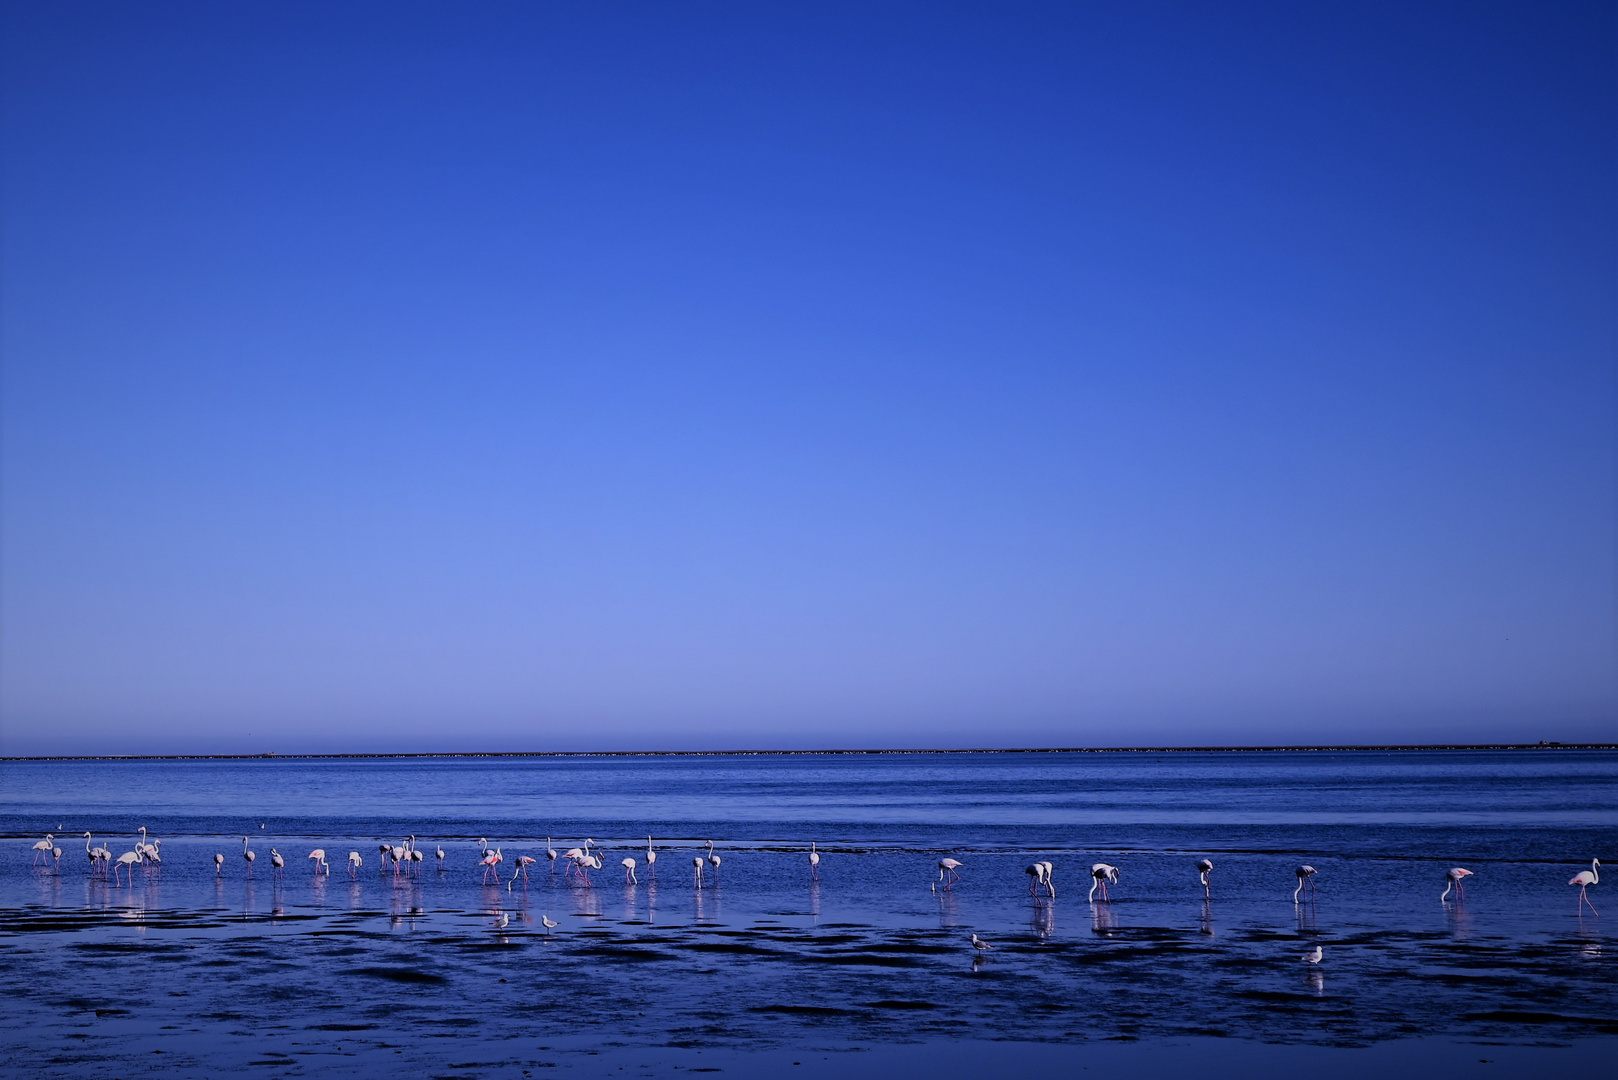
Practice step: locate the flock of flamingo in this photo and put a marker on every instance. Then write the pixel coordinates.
(406, 859)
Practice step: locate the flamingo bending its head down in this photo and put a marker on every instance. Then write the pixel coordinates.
(629, 872)
(697, 865)
(1204, 868)
(1306, 877)
(319, 857)
(354, 862)
(946, 871)
(218, 864)
(1584, 879)
(814, 862)
(1454, 878)
(1102, 874)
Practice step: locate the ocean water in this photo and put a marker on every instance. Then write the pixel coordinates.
(765, 969)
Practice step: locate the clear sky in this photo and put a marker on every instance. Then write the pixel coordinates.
(538, 376)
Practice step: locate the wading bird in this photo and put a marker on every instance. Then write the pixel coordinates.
(56, 854)
(354, 862)
(549, 923)
(1204, 868)
(521, 867)
(814, 862)
(697, 864)
(127, 860)
(278, 862)
(651, 858)
(980, 945)
(1036, 877)
(490, 858)
(1306, 877)
(713, 861)
(42, 849)
(1584, 879)
(1313, 957)
(248, 855)
(946, 872)
(1101, 875)
(319, 857)
(440, 856)
(1454, 878)
(629, 872)
(550, 853)
(218, 864)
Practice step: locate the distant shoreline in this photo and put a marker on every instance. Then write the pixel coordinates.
(1298, 748)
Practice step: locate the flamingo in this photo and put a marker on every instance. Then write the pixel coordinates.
(103, 856)
(651, 858)
(440, 857)
(1313, 957)
(1204, 868)
(218, 864)
(629, 872)
(1050, 877)
(487, 862)
(549, 923)
(1101, 875)
(278, 862)
(56, 854)
(713, 861)
(127, 860)
(248, 855)
(946, 871)
(523, 863)
(88, 853)
(1306, 874)
(814, 862)
(591, 862)
(1454, 878)
(354, 862)
(980, 945)
(416, 856)
(697, 865)
(319, 857)
(1036, 876)
(1584, 879)
(42, 848)
(550, 853)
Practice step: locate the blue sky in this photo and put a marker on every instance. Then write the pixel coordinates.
(553, 376)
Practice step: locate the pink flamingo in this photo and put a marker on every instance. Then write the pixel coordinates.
(42, 849)
(127, 860)
(1306, 877)
(319, 856)
(1101, 874)
(1455, 878)
(1584, 879)
(523, 863)
(629, 872)
(946, 871)
(488, 862)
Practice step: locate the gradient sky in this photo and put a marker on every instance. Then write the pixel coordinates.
(570, 376)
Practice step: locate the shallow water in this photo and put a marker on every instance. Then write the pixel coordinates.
(200, 972)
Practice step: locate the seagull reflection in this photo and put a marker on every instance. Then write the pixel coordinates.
(1317, 981)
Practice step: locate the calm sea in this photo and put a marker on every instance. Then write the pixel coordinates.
(211, 968)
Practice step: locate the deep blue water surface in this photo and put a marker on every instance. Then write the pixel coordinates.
(210, 968)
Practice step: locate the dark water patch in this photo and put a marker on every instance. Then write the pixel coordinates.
(1607, 1025)
(734, 948)
(340, 1027)
(896, 1004)
(625, 953)
(801, 1010)
(397, 974)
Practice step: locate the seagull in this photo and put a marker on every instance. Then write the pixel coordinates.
(1313, 957)
(549, 923)
(504, 921)
(980, 945)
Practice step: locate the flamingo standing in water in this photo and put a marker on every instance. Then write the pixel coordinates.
(814, 862)
(521, 867)
(488, 863)
(1454, 878)
(946, 871)
(218, 864)
(1204, 868)
(319, 857)
(89, 853)
(42, 849)
(1101, 875)
(440, 858)
(1050, 878)
(248, 855)
(278, 862)
(1306, 877)
(354, 862)
(1584, 879)
(697, 864)
(550, 853)
(713, 861)
(127, 860)
(651, 858)
(629, 872)
(56, 854)
(1036, 876)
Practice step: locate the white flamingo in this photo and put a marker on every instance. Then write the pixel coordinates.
(248, 855)
(1204, 868)
(814, 862)
(521, 867)
(1455, 878)
(550, 853)
(354, 862)
(319, 857)
(56, 854)
(278, 862)
(713, 861)
(651, 857)
(1101, 875)
(1050, 877)
(127, 860)
(89, 853)
(218, 864)
(1584, 879)
(440, 856)
(42, 849)
(629, 872)
(1306, 877)
(946, 871)
(697, 864)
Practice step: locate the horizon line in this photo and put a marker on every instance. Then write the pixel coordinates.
(1270, 748)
